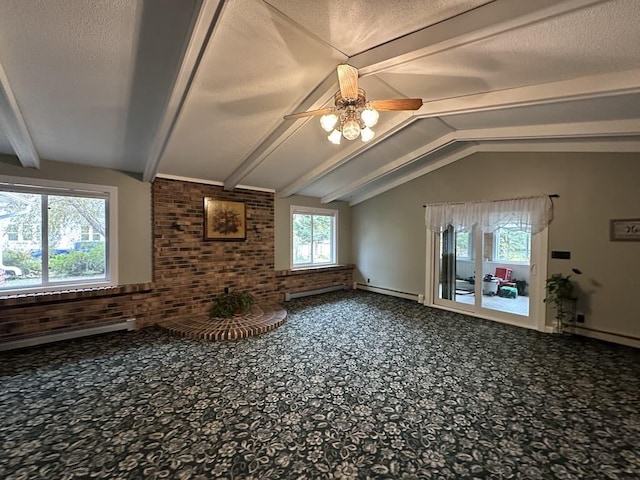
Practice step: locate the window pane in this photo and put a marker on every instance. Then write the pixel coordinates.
(322, 238)
(12, 232)
(513, 245)
(71, 255)
(301, 239)
(462, 245)
(20, 246)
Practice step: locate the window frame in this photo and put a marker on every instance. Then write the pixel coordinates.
(40, 186)
(298, 209)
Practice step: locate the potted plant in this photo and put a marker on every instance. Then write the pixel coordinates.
(230, 304)
(560, 293)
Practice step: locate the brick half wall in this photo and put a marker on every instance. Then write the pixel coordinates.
(297, 281)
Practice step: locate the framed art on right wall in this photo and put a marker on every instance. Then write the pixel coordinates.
(625, 230)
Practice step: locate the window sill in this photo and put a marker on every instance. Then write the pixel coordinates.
(55, 296)
(317, 269)
(509, 262)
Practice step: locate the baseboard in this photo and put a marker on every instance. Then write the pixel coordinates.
(607, 336)
(289, 295)
(388, 291)
(67, 334)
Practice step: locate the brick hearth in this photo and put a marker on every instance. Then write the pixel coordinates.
(260, 319)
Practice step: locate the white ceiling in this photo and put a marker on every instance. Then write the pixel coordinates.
(198, 88)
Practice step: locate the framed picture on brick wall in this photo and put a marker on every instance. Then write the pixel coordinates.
(224, 220)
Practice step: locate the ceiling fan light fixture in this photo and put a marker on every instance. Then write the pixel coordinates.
(369, 116)
(350, 129)
(328, 122)
(367, 134)
(334, 137)
(352, 115)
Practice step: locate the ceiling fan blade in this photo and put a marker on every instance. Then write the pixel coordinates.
(397, 104)
(310, 113)
(348, 80)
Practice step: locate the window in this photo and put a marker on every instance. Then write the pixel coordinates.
(463, 245)
(12, 233)
(313, 236)
(512, 245)
(85, 233)
(30, 232)
(88, 233)
(56, 234)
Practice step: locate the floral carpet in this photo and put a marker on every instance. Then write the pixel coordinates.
(353, 385)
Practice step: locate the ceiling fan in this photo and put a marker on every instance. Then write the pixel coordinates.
(354, 115)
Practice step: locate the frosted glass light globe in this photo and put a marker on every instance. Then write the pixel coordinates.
(335, 137)
(351, 130)
(370, 117)
(328, 121)
(367, 134)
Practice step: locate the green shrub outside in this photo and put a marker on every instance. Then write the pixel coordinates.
(31, 267)
(78, 263)
(62, 265)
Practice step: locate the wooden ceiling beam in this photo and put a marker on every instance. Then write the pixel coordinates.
(13, 125)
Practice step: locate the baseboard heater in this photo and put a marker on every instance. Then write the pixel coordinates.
(66, 334)
(289, 295)
(619, 338)
(388, 291)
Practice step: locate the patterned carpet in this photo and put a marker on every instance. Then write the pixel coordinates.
(353, 385)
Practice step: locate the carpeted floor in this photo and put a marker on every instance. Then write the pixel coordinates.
(353, 385)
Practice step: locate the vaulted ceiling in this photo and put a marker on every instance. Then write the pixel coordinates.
(197, 89)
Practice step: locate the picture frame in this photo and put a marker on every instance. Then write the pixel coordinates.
(624, 230)
(224, 220)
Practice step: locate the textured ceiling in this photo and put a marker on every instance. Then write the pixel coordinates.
(354, 27)
(576, 44)
(238, 91)
(70, 94)
(198, 88)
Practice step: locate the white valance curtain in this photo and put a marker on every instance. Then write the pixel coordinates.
(530, 214)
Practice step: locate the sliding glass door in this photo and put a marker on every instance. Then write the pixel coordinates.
(486, 258)
(491, 274)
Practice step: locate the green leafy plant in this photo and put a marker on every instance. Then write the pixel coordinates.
(78, 263)
(229, 304)
(31, 267)
(560, 294)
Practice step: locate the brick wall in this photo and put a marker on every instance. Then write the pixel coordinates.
(188, 271)
(304, 280)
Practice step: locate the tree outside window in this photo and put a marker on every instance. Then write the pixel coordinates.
(512, 244)
(463, 244)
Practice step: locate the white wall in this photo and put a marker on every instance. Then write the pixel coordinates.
(134, 210)
(283, 228)
(388, 231)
